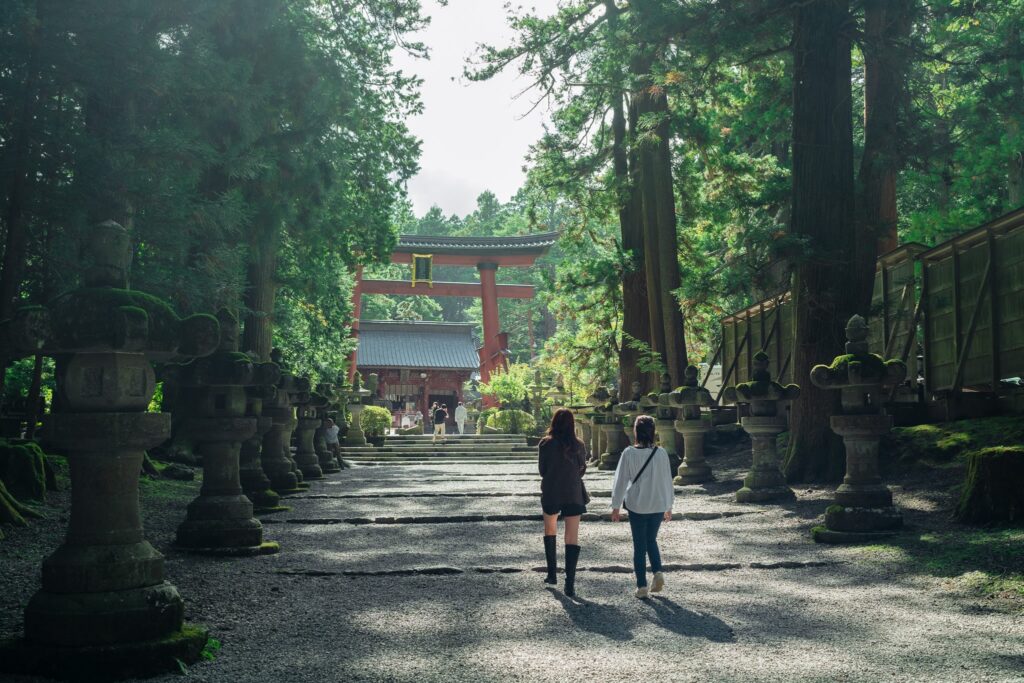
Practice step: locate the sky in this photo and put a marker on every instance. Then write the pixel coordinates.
(475, 135)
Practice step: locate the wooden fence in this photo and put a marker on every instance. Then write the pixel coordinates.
(963, 300)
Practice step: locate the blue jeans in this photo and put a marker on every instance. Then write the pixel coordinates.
(645, 543)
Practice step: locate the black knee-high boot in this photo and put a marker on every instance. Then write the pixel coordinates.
(572, 556)
(552, 558)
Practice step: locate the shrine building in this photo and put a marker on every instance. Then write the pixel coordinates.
(418, 363)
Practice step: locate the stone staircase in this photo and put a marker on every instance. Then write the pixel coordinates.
(418, 449)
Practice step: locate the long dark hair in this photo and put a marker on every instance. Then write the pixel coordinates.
(644, 428)
(563, 430)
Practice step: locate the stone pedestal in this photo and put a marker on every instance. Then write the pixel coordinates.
(355, 435)
(688, 401)
(306, 425)
(611, 442)
(659, 405)
(325, 399)
(763, 398)
(863, 510)
(765, 481)
(277, 464)
(104, 600)
(255, 483)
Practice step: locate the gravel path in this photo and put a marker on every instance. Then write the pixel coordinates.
(750, 597)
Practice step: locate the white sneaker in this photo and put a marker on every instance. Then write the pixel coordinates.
(641, 593)
(658, 583)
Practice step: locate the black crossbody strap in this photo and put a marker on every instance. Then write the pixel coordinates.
(646, 463)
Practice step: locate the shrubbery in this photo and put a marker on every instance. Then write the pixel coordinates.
(481, 420)
(375, 421)
(513, 422)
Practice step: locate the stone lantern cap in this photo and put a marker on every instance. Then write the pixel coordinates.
(690, 394)
(762, 387)
(857, 367)
(104, 315)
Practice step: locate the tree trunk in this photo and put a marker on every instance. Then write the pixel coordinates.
(823, 214)
(1014, 128)
(643, 180)
(261, 287)
(886, 32)
(667, 247)
(32, 404)
(635, 317)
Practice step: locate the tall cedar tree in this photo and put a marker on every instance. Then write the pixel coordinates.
(823, 213)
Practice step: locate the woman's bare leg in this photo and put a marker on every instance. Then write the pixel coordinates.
(572, 530)
(551, 524)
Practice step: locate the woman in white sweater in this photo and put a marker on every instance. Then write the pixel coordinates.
(644, 475)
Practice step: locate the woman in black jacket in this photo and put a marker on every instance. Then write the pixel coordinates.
(562, 462)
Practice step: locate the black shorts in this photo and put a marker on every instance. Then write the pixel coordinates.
(567, 510)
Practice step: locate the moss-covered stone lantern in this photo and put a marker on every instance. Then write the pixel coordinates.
(326, 400)
(660, 406)
(220, 520)
(765, 481)
(612, 434)
(276, 455)
(863, 508)
(255, 483)
(356, 396)
(104, 607)
(688, 401)
(309, 420)
(626, 413)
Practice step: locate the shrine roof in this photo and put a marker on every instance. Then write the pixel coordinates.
(535, 244)
(417, 345)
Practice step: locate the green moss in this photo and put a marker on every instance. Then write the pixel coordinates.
(992, 490)
(168, 489)
(983, 563)
(834, 509)
(950, 442)
(83, 317)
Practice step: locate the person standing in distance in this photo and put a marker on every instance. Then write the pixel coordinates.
(440, 416)
(460, 417)
(644, 475)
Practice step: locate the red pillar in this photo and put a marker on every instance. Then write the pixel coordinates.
(489, 304)
(357, 310)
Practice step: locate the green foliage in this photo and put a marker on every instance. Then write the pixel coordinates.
(513, 422)
(511, 386)
(484, 418)
(375, 421)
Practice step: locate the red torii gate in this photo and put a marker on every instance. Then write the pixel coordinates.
(486, 254)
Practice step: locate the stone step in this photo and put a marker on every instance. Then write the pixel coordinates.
(418, 448)
(451, 437)
(437, 457)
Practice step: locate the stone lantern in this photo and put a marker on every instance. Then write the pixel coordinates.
(276, 456)
(688, 401)
(558, 395)
(626, 413)
(308, 421)
(765, 480)
(660, 406)
(255, 483)
(356, 396)
(325, 391)
(104, 604)
(220, 520)
(864, 508)
(611, 433)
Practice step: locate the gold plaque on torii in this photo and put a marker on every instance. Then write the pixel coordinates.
(423, 269)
